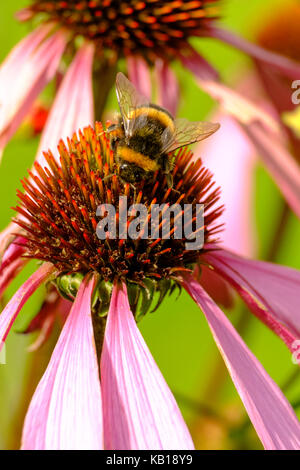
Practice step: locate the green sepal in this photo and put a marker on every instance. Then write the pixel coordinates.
(147, 293)
(101, 297)
(68, 284)
(163, 288)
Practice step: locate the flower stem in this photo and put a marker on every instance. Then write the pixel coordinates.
(99, 324)
(276, 242)
(103, 80)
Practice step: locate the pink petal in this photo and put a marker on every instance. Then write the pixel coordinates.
(139, 410)
(279, 162)
(264, 132)
(272, 417)
(168, 88)
(278, 89)
(139, 75)
(198, 65)
(44, 333)
(7, 236)
(14, 306)
(26, 71)
(288, 66)
(8, 274)
(239, 107)
(66, 410)
(73, 107)
(271, 291)
(23, 15)
(13, 252)
(53, 307)
(214, 285)
(227, 161)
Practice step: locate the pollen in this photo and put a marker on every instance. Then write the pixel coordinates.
(131, 27)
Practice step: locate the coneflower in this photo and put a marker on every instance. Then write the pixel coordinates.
(111, 283)
(92, 36)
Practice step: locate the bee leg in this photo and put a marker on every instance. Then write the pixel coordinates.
(109, 176)
(130, 184)
(167, 168)
(169, 179)
(134, 191)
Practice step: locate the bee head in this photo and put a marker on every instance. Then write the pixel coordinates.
(131, 173)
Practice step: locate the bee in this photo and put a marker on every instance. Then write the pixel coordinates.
(146, 134)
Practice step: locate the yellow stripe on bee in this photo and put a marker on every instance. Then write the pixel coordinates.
(154, 113)
(137, 158)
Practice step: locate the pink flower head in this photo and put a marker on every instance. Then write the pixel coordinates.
(102, 388)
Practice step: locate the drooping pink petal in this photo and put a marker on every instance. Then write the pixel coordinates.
(139, 75)
(7, 236)
(8, 274)
(73, 107)
(198, 65)
(14, 306)
(53, 304)
(24, 15)
(287, 66)
(214, 285)
(233, 170)
(279, 162)
(139, 410)
(272, 417)
(239, 107)
(278, 89)
(168, 88)
(54, 307)
(44, 333)
(264, 132)
(66, 410)
(271, 291)
(26, 71)
(14, 251)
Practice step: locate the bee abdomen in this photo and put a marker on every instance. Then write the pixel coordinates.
(157, 114)
(132, 156)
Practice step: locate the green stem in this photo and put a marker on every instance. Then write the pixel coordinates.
(294, 375)
(99, 324)
(280, 231)
(103, 80)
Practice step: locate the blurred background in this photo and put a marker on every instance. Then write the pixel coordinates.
(177, 333)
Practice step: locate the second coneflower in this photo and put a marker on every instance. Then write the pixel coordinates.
(102, 388)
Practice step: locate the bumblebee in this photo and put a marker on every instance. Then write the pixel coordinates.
(146, 134)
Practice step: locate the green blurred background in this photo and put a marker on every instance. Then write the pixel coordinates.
(177, 333)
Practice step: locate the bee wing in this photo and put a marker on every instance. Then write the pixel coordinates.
(129, 99)
(187, 132)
